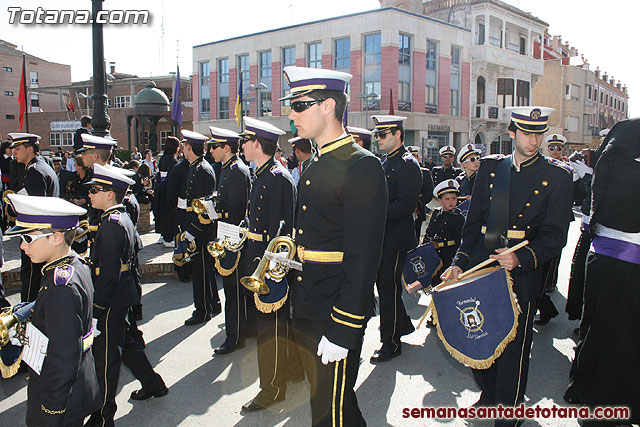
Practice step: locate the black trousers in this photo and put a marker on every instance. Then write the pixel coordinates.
(135, 358)
(234, 308)
(272, 353)
(333, 399)
(205, 291)
(393, 316)
(30, 276)
(506, 380)
(107, 354)
(575, 294)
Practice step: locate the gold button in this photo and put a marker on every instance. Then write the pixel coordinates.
(545, 183)
(264, 187)
(528, 227)
(308, 182)
(536, 192)
(388, 176)
(514, 227)
(299, 279)
(258, 219)
(520, 215)
(528, 204)
(304, 207)
(315, 159)
(261, 197)
(492, 175)
(490, 185)
(299, 231)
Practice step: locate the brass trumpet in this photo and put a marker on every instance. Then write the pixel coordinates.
(256, 282)
(9, 319)
(200, 208)
(218, 249)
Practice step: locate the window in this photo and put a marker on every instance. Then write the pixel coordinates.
(223, 70)
(8, 93)
(33, 76)
(404, 49)
(265, 64)
(122, 101)
(204, 74)
(587, 127)
(611, 101)
(575, 92)
(223, 107)
(523, 45)
(10, 117)
(480, 94)
(505, 93)
(435, 141)
(455, 80)
(606, 99)
(54, 139)
(522, 93)
(589, 91)
(7, 69)
(288, 59)
(205, 108)
(314, 55)
(67, 139)
(163, 137)
(601, 97)
(431, 93)
(572, 124)
(243, 66)
(35, 102)
(481, 33)
(342, 54)
(265, 104)
(372, 74)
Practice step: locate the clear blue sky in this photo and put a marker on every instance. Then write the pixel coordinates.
(603, 32)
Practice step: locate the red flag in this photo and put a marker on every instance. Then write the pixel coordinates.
(391, 113)
(70, 105)
(22, 95)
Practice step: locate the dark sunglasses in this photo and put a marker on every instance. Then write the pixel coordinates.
(247, 139)
(447, 156)
(300, 106)
(96, 190)
(552, 148)
(382, 135)
(30, 238)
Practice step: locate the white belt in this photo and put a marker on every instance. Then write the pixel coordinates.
(182, 203)
(163, 174)
(612, 233)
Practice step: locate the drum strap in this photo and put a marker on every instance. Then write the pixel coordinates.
(498, 220)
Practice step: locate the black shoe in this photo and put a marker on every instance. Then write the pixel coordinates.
(184, 279)
(258, 404)
(228, 348)
(384, 355)
(143, 394)
(137, 312)
(196, 320)
(430, 323)
(407, 329)
(543, 320)
(217, 309)
(571, 396)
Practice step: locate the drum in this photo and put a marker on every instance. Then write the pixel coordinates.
(477, 317)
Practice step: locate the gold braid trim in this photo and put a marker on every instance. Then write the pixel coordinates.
(269, 307)
(486, 363)
(535, 258)
(11, 370)
(226, 271)
(50, 412)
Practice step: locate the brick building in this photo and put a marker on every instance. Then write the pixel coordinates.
(39, 74)
(424, 61)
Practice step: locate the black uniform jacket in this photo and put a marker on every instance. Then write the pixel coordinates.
(112, 261)
(201, 182)
(466, 183)
(540, 199)
(404, 181)
(272, 200)
(233, 191)
(445, 232)
(342, 206)
(67, 388)
(40, 179)
(440, 173)
(177, 183)
(64, 183)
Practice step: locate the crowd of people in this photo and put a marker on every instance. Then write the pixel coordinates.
(321, 231)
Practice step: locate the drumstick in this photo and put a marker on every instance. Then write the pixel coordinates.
(424, 316)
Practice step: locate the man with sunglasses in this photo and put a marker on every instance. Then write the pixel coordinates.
(39, 180)
(231, 206)
(469, 159)
(112, 261)
(272, 200)
(340, 218)
(447, 170)
(523, 196)
(201, 183)
(404, 183)
(555, 146)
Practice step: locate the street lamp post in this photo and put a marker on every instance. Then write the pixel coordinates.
(257, 87)
(100, 120)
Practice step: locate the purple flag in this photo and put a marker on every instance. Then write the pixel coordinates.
(176, 105)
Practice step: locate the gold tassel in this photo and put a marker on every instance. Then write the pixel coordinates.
(486, 363)
(226, 271)
(9, 371)
(269, 307)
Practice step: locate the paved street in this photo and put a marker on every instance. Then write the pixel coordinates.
(210, 391)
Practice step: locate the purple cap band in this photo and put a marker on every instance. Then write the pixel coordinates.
(263, 133)
(331, 84)
(517, 116)
(385, 125)
(55, 221)
(108, 180)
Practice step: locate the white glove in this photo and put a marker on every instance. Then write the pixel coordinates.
(581, 168)
(331, 352)
(12, 338)
(189, 236)
(94, 325)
